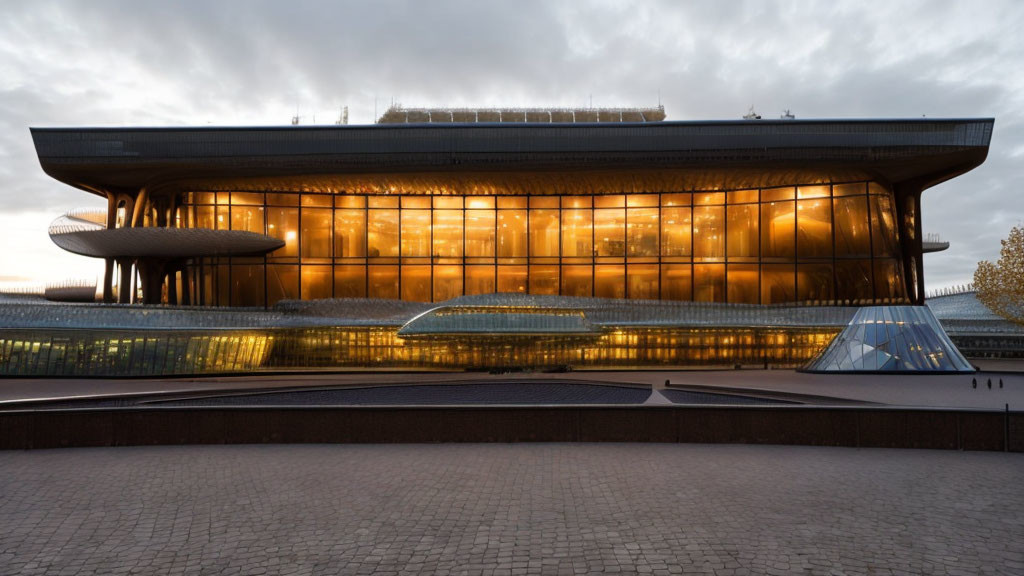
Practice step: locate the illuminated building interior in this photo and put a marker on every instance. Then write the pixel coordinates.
(824, 244)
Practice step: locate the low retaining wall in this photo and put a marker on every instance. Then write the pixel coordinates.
(814, 426)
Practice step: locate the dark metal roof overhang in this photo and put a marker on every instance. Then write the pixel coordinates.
(513, 158)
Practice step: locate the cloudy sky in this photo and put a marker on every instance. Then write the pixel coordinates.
(129, 63)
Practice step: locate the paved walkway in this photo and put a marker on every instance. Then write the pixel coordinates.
(510, 509)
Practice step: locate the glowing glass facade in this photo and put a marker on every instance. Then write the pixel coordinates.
(816, 243)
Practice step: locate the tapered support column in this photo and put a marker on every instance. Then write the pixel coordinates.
(124, 266)
(908, 213)
(108, 280)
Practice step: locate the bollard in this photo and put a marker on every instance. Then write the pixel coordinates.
(974, 382)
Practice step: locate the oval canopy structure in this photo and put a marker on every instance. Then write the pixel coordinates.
(164, 243)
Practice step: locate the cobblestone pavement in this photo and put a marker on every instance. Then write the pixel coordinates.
(510, 509)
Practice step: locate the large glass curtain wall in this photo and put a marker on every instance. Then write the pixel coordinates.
(817, 244)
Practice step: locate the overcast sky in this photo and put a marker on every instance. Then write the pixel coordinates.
(130, 63)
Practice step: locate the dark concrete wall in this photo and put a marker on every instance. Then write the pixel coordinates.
(855, 427)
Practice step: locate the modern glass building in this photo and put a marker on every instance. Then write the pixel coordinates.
(610, 207)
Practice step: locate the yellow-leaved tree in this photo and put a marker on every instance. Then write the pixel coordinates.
(1000, 286)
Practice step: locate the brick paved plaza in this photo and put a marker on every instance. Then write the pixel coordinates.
(510, 509)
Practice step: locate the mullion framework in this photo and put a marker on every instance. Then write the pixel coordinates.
(202, 269)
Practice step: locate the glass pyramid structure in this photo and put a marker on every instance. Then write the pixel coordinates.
(891, 339)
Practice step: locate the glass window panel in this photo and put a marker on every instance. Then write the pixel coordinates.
(813, 191)
(778, 283)
(316, 233)
(223, 218)
(853, 236)
(543, 233)
(247, 198)
(383, 201)
(709, 282)
(383, 282)
(247, 285)
(415, 234)
(853, 281)
(447, 282)
(889, 282)
(543, 279)
(480, 233)
(416, 283)
(543, 202)
(350, 201)
(743, 284)
(248, 218)
(512, 233)
(642, 231)
(778, 230)
(480, 202)
(316, 282)
(610, 201)
(643, 281)
(448, 233)
(577, 281)
(283, 224)
(709, 233)
(448, 202)
(610, 232)
(883, 227)
(321, 200)
(415, 202)
(350, 281)
(849, 189)
(223, 198)
(814, 283)
(676, 281)
(708, 198)
(609, 281)
(223, 283)
(676, 199)
(577, 233)
(675, 231)
(382, 233)
(512, 279)
(282, 199)
(479, 280)
(777, 194)
(814, 228)
(743, 238)
(349, 233)
(876, 188)
(206, 197)
(512, 202)
(577, 201)
(282, 283)
(742, 196)
(641, 200)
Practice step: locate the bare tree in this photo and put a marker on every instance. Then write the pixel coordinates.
(1000, 286)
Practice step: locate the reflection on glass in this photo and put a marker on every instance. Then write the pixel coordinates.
(447, 282)
(743, 237)
(709, 232)
(675, 231)
(448, 233)
(349, 233)
(889, 281)
(778, 230)
(709, 282)
(577, 281)
(247, 285)
(316, 282)
(853, 281)
(383, 281)
(479, 234)
(282, 283)
(283, 224)
(610, 231)
(543, 279)
(743, 284)
(609, 281)
(415, 234)
(643, 281)
(479, 279)
(248, 218)
(814, 228)
(814, 282)
(676, 281)
(316, 233)
(883, 227)
(577, 233)
(642, 231)
(511, 233)
(543, 233)
(778, 283)
(382, 233)
(512, 279)
(416, 283)
(853, 237)
(349, 281)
